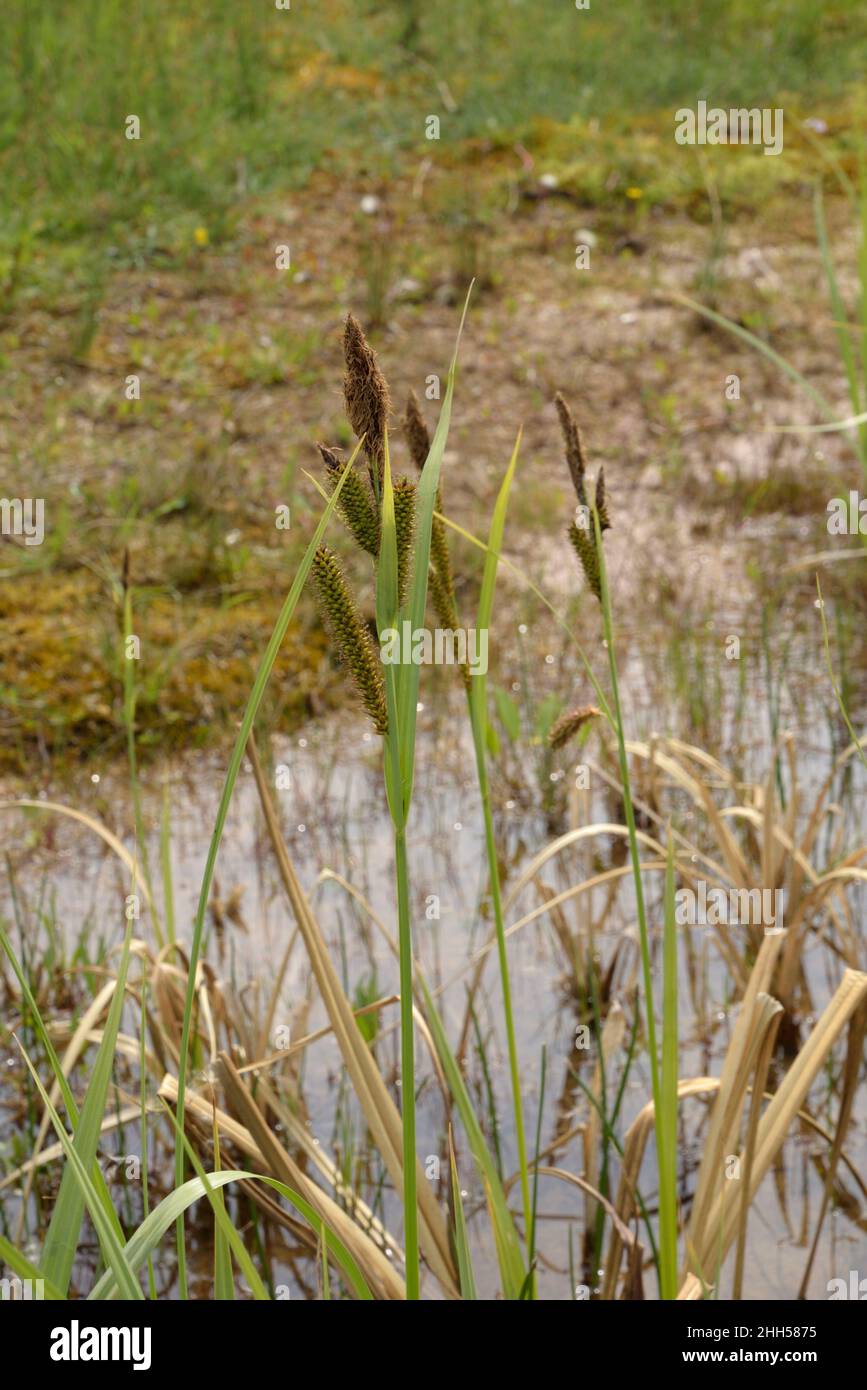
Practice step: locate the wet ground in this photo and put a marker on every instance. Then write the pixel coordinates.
(335, 822)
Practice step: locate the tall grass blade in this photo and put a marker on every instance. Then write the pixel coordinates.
(61, 1240)
(509, 1257)
(373, 1096)
(462, 1243)
(88, 1196)
(395, 756)
(23, 1269)
(479, 721)
(146, 1239)
(224, 1284)
(667, 1130)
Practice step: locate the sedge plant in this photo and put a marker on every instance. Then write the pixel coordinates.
(443, 595)
(585, 533)
(398, 523)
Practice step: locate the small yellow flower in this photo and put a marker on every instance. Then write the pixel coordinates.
(201, 236)
(634, 193)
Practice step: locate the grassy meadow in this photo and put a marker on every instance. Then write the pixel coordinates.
(532, 968)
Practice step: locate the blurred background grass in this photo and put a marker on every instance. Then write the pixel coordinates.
(235, 99)
(156, 257)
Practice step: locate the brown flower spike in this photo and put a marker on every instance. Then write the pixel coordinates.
(351, 637)
(366, 394)
(574, 447)
(568, 724)
(354, 505)
(583, 538)
(416, 431)
(404, 525)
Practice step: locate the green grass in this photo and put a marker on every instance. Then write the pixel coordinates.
(235, 99)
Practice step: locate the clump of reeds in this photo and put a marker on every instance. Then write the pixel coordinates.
(392, 520)
(184, 1010)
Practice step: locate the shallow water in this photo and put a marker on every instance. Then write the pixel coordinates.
(335, 819)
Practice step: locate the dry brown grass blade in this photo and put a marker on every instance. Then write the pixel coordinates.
(760, 1077)
(378, 1271)
(701, 795)
(378, 1107)
(724, 1137)
(476, 962)
(633, 1153)
(261, 1147)
(572, 837)
(302, 1139)
(733, 1083)
(851, 1075)
(595, 1197)
(715, 1238)
(205, 1112)
(585, 832)
(272, 1059)
(692, 1290)
(649, 809)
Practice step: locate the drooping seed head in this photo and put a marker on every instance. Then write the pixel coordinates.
(583, 538)
(568, 725)
(352, 639)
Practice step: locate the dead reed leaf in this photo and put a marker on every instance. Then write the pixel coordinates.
(379, 1108)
